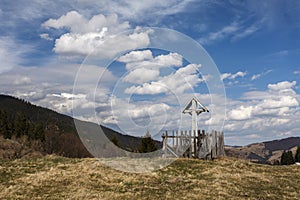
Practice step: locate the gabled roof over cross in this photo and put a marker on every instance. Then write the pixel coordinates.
(199, 107)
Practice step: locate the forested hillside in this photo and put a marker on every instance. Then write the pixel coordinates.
(46, 131)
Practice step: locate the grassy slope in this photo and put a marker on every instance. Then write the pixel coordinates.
(64, 178)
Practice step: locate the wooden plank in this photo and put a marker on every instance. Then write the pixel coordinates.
(180, 142)
(164, 149)
(194, 144)
(176, 138)
(213, 144)
(173, 138)
(190, 144)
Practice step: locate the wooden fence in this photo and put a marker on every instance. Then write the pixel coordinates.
(200, 145)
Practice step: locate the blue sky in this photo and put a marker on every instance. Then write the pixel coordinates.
(254, 44)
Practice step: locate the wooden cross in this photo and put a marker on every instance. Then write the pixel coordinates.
(194, 108)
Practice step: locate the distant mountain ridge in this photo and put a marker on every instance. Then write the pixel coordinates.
(264, 152)
(58, 130)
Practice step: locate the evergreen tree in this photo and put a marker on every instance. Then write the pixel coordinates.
(20, 123)
(290, 158)
(2, 123)
(147, 144)
(39, 133)
(297, 156)
(10, 127)
(287, 158)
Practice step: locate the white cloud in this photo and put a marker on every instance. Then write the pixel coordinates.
(240, 113)
(45, 36)
(183, 79)
(148, 88)
(141, 75)
(282, 85)
(247, 31)
(234, 31)
(140, 10)
(257, 76)
(71, 20)
(218, 35)
(143, 67)
(225, 75)
(10, 53)
(135, 56)
(135, 118)
(52, 86)
(22, 80)
(233, 76)
(265, 113)
(255, 95)
(169, 60)
(77, 23)
(97, 44)
(172, 59)
(283, 101)
(95, 36)
(273, 107)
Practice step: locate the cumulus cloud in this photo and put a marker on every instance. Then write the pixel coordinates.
(266, 103)
(143, 67)
(282, 85)
(77, 23)
(185, 78)
(169, 60)
(98, 35)
(136, 56)
(283, 101)
(98, 44)
(141, 75)
(264, 113)
(267, 107)
(240, 113)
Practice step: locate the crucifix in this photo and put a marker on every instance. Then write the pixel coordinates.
(194, 108)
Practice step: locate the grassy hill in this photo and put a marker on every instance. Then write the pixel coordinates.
(53, 177)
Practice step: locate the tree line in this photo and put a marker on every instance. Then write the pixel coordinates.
(287, 157)
(45, 137)
(19, 125)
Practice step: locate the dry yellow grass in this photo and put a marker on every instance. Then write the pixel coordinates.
(54, 177)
